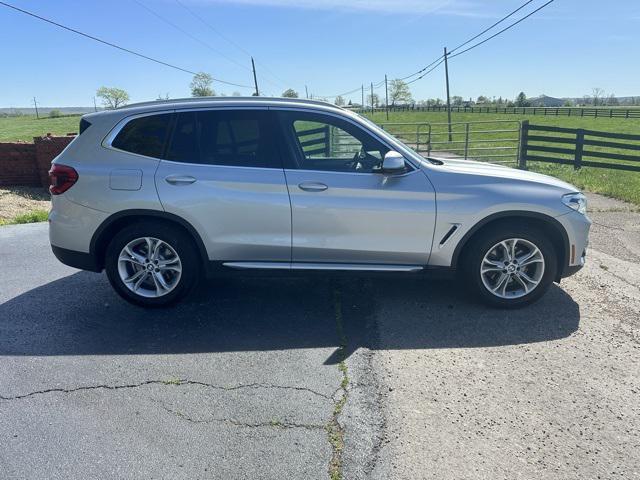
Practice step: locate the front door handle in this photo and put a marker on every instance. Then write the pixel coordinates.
(180, 179)
(312, 187)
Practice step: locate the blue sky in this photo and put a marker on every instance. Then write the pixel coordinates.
(332, 46)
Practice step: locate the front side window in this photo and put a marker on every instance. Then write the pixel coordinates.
(240, 138)
(144, 135)
(322, 142)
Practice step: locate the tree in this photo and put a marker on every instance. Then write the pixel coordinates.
(521, 100)
(596, 94)
(112, 97)
(612, 100)
(236, 93)
(399, 92)
(55, 113)
(568, 103)
(290, 93)
(201, 85)
(482, 99)
(457, 100)
(160, 97)
(339, 101)
(373, 100)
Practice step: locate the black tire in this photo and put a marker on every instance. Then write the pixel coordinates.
(484, 241)
(177, 239)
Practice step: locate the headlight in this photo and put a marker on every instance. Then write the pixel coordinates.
(575, 201)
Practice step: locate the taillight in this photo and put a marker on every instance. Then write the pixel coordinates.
(62, 178)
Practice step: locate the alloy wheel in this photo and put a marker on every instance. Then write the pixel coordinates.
(512, 268)
(149, 267)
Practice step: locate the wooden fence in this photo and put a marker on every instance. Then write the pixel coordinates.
(597, 112)
(576, 146)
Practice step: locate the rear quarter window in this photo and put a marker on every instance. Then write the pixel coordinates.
(144, 135)
(84, 124)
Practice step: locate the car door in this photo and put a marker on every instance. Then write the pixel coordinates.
(344, 209)
(222, 172)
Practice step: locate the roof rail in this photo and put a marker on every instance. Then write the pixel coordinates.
(222, 99)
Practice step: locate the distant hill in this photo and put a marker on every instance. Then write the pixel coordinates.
(546, 101)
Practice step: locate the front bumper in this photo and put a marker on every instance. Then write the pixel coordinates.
(577, 227)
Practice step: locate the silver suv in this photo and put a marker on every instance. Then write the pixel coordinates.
(162, 193)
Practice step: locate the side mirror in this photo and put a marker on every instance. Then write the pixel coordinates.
(393, 163)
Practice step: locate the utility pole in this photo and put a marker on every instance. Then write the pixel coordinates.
(306, 91)
(35, 104)
(363, 98)
(371, 98)
(255, 79)
(95, 107)
(446, 73)
(386, 95)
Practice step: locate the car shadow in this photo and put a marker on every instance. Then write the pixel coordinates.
(81, 315)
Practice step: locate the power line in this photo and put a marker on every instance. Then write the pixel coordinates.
(423, 69)
(428, 71)
(489, 28)
(470, 40)
(503, 30)
(441, 59)
(229, 40)
(132, 52)
(188, 34)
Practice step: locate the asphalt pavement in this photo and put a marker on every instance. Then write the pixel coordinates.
(305, 378)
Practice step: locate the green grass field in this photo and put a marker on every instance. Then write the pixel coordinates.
(613, 183)
(617, 184)
(26, 127)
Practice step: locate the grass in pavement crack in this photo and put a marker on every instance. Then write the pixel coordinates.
(335, 431)
(168, 382)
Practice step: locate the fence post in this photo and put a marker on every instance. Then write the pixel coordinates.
(327, 139)
(466, 141)
(577, 165)
(522, 154)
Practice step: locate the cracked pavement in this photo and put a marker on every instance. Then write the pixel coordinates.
(320, 378)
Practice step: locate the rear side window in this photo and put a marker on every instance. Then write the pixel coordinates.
(144, 135)
(241, 138)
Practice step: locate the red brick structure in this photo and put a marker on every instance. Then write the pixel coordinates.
(18, 164)
(48, 148)
(28, 163)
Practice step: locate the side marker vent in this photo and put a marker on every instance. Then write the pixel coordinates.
(447, 235)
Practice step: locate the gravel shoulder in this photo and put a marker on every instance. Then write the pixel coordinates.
(16, 201)
(551, 391)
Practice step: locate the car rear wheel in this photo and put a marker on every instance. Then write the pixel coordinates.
(510, 266)
(152, 265)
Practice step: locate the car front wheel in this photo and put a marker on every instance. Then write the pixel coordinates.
(511, 267)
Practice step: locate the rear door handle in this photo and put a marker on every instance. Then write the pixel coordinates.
(312, 186)
(180, 179)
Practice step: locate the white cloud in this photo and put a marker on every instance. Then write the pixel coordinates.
(403, 7)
